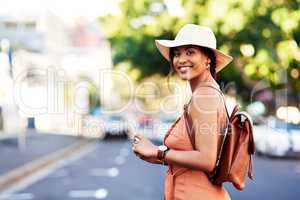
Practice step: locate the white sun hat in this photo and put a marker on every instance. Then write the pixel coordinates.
(191, 34)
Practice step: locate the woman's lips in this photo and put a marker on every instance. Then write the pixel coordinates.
(184, 69)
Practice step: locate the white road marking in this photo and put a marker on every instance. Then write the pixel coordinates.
(121, 158)
(81, 193)
(21, 196)
(26, 182)
(111, 172)
(98, 194)
(101, 193)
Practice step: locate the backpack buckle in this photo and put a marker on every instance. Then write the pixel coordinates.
(242, 119)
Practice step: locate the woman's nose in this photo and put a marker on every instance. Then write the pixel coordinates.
(182, 59)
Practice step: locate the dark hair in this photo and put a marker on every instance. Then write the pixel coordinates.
(207, 51)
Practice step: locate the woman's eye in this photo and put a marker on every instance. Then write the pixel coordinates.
(189, 52)
(176, 54)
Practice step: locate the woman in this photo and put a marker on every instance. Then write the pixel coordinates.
(193, 55)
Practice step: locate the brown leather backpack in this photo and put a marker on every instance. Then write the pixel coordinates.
(234, 159)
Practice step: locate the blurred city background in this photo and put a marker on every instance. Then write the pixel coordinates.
(79, 78)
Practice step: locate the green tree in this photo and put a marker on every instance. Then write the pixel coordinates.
(262, 35)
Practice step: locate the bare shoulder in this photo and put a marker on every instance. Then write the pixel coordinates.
(206, 99)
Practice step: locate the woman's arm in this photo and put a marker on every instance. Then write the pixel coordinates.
(204, 113)
(190, 159)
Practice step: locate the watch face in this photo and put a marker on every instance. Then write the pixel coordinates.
(162, 147)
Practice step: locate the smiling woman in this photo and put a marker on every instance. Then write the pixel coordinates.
(193, 55)
(191, 60)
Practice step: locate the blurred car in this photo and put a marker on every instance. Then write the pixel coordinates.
(92, 127)
(144, 121)
(115, 125)
(278, 138)
(256, 109)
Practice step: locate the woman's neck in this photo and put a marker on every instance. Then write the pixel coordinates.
(204, 77)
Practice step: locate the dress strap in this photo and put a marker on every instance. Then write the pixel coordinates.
(185, 106)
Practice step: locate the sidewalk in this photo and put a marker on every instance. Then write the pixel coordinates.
(4, 135)
(37, 146)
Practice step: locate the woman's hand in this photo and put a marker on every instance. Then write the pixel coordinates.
(144, 148)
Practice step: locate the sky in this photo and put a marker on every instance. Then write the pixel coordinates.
(66, 9)
(69, 10)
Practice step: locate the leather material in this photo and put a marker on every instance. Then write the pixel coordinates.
(159, 154)
(234, 159)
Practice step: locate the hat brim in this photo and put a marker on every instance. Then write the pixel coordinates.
(222, 60)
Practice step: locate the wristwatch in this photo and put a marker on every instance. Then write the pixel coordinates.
(161, 152)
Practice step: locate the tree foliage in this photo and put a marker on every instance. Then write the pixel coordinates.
(262, 35)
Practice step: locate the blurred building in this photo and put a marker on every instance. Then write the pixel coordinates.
(34, 31)
(49, 57)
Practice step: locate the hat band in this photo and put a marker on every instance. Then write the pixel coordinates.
(190, 42)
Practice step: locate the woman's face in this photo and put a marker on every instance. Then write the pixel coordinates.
(189, 61)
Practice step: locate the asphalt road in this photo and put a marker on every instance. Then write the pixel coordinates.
(37, 146)
(111, 171)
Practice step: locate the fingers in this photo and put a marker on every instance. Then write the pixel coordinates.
(136, 140)
(139, 136)
(134, 149)
(136, 153)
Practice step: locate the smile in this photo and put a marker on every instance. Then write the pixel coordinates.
(184, 68)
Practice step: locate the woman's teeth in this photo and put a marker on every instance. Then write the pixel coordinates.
(183, 69)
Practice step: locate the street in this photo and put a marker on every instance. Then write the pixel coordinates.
(109, 170)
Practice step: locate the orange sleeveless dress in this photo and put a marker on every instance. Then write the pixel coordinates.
(184, 183)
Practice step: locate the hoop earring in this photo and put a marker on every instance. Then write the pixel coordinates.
(208, 66)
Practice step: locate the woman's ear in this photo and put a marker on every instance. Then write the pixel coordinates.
(208, 61)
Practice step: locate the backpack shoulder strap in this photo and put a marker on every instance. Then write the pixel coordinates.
(189, 125)
(223, 97)
(191, 131)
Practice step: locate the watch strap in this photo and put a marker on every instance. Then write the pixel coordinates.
(164, 154)
(160, 154)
